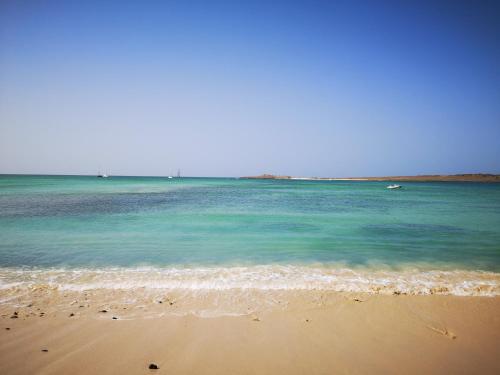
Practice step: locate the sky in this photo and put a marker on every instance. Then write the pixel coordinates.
(236, 88)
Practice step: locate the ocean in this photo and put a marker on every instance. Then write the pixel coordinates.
(226, 233)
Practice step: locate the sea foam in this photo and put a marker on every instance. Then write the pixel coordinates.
(263, 277)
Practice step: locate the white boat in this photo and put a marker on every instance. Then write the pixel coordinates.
(102, 175)
(394, 187)
(170, 177)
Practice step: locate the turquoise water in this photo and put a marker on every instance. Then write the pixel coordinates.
(76, 221)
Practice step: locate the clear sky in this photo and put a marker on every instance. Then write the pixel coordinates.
(231, 88)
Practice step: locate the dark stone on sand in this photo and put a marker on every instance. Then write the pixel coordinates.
(71, 314)
(103, 311)
(160, 301)
(45, 350)
(152, 366)
(14, 317)
(114, 318)
(7, 329)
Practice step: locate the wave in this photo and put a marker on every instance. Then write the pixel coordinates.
(260, 277)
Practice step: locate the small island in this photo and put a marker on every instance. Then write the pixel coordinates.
(466, 177)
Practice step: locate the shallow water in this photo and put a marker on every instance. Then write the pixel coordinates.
(129, 223)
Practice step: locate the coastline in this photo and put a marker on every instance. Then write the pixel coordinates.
(207, 320)
(19, 283)
(235, 277)
(465, 177)
(315, 332)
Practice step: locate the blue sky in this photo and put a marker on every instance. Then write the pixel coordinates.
(231, 88)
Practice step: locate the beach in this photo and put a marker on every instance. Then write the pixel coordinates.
(237, 276)
(313, 333)
(249, 187)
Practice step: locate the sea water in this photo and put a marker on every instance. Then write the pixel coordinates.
(223, 233)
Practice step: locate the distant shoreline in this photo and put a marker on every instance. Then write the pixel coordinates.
(467, 177)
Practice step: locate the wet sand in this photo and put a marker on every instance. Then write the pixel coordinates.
(310, 332)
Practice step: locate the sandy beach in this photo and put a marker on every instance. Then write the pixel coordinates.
(301, 332)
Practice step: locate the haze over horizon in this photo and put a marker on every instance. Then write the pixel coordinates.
(330, 89)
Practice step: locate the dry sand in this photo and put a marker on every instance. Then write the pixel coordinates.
(308, 332)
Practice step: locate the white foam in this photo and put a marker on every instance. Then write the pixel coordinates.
(263, 277)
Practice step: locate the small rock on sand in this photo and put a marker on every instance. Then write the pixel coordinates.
(114, 318)
(103, 311)
(153, 366)
(45, 350)
(71, 314)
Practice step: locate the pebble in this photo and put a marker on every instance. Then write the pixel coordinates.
(114, 318)
(103, 311)
(45, 350)
(71, 314)
(153, 366)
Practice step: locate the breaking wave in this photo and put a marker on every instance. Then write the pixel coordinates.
(264, 277)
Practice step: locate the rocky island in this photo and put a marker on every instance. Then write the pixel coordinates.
(466, 177)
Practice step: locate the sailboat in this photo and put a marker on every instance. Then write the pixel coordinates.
(102, 175)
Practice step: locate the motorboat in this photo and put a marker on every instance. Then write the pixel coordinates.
(394, 186)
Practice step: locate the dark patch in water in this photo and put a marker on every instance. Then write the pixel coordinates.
(412, 229)
(291, 227)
